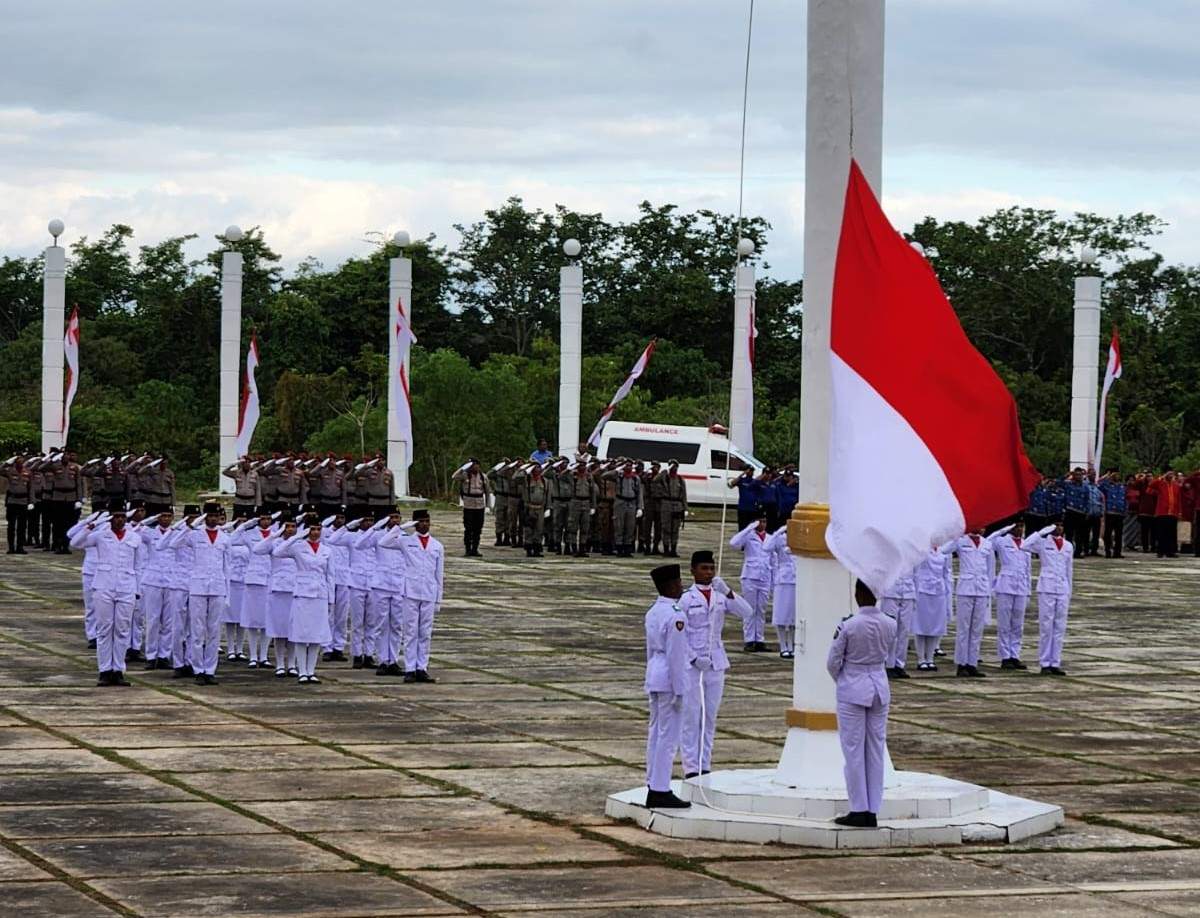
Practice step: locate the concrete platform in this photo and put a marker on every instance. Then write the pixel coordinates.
(918, 809)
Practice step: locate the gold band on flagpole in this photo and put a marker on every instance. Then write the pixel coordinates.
(806, 530)
(811, 720)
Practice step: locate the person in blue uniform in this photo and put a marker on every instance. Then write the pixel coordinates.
(1113, 489)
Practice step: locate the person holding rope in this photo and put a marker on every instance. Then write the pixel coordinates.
(666, 685)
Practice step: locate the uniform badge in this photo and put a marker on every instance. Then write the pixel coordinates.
(679, 625)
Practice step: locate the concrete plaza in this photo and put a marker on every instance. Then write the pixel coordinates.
(484, 794)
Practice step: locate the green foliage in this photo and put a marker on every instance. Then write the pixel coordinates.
(18, 437)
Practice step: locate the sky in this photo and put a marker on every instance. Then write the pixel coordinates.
(323, 122)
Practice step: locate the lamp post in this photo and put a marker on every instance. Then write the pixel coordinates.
(1085, 366)
(570, 311)
(54, 296)
(399, 291)
(231, 355)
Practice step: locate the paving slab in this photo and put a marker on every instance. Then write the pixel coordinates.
(1079, 905)
(1182, 902)
(238, 758)
(113, 819)
(480, 754)
(51, 899)
(98, 788)
(1080, 867)
(298, 784)
(15, 867)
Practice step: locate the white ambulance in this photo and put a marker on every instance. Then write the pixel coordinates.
(702, 453)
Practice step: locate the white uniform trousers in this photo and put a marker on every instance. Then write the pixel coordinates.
(970, 612)
(418, 632)
(89, 612)
(863, 734)
(662, 740)
(388, 611)
(757, 593)
(160, 619)
(360, 602)
(137, 625)
(338, 616)
(180, 630)
(700, 718)
(902, 610)
(1010, 625)
(114, 615)
(1052, 627)
(204, 632)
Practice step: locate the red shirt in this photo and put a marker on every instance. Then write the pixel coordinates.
(1168, 497)
(212, 535)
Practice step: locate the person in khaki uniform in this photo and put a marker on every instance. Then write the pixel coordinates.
(380, 486)
(657, 494)
(327, 486)
(645, 527)
(474, 493)
(18, 499)
(672, 508)
(603, 530)
(247, 488)
(291, 487)
(499, 486)
(580, 511)
(628, 506)
(516, 515)
(535, 505)
(66, 500)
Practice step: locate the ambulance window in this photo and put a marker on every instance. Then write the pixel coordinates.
(654, 450)
(735, 462)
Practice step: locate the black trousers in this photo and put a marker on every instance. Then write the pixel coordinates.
(1093, 530)
(1075, 528)
(1146, 527)
(18, 523)
(1166, 530)
(63, 516)
(1196, 533)
(1114, 534)
(40, 525)
(472, 528)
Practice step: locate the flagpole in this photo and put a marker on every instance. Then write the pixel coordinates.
(1085, 373)
(54, 304)
(231, 356)
(399, 291)
(844, 118)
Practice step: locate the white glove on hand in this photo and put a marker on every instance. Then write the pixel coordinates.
(704, 664)
(411, 524)
(639, 513)
(547, 513)
(29, 506)
(78, 505)
(592, 512)
(1046, 530)
(677, 703)
(721, 586)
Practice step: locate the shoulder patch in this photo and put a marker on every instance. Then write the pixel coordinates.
(847, 617)
(679, 624)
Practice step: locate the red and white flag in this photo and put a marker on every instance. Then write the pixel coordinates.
(71, 352)
(401, 398)
(248, 413)
(1111, 372)
(638, 369)
(924, 437)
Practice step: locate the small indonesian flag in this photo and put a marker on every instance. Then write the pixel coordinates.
(400, 396)
(1111, 372)
(248, 413)
(924, 436)
(638, 369)
(71, 352)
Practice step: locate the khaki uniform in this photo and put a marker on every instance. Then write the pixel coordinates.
(17, 497)
(107, 483)
(247, 490)
(66, 490)
(380, 488)
(627, 504)
(535, 501)
(291, 489)
(327, 489)
(514, 528)
(473, 491)
(159, 486)
(500, 485)
(560, 502)
(672, 507)
(657, 494)
(583, 497)
(602, 532)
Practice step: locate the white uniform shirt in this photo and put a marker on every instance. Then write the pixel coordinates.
(314, 567)
(932, 575)
(424, 564)
(903, 587)
(116, 559)
(1057, 572)
(89, 556)
(158, 565)
(209, 575)
(258, 564)
(783, 566)
(362, 556)
(1015, 566)
(388, 575)
(667, 650)
(283, 570)
(976, 565)
(861, 645)
(705, 620)
(756, 559)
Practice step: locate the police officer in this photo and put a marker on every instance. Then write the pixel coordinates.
(474, 493)
(535, 503)
(380, 486)
(18, 501)
(499, 485)
(516, 514)
(861, 646)
(628, 506)
(603, 531)
(291, 489)
(327, 487)
(559, 477)
(160, 486)
(672, 507)
(580, 510)
(247, 489)
(66, 490)
(1075, 521)
(1113, 489)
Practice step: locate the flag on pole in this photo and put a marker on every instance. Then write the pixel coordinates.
(924, 437)
(638, 369)
(71, 352)
(401, 396)
(248, 413)
(1111, 372)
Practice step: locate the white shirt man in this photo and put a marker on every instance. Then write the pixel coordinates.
(159, 592)
(364, 618)
(972, 598)
(755, 582)
(387, 596)
(1056, 579)
(1012, 590)
(208, 592)
(666, 685)
(900, 602)
(424, 559)
(114, 589)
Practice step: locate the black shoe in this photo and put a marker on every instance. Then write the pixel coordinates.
(410, 677)
(691, 774)
(105, 678)
(1017, 664)
(384, 669)
(938, 652)
(963, 671)
(760, 647)
(116, 677)
(857, 820)
(133, 655)
(20, 551)
(368, 661)
(210, 679)
(976, 672)
(655, 551)
(92, 644)
(327, 656)
(151, 664)
(901, 673)
(1006, 663)
(890, 672)
(357, 663)
(201, 680)
(181, 672)
(423, 676)
(1053, 671)
(664, 800)
(163, 663)
(748, 647)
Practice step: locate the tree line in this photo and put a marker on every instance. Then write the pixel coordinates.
(485, 370)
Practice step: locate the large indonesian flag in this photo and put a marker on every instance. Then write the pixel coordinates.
(626, 387)
(248, 415)
(1111, 372)
(71, 353)
(924, 437)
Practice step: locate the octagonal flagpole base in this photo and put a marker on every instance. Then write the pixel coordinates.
(750, 805)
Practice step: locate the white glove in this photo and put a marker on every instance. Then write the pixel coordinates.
(411, 524)
(547, 513)
(383, 522)
(704, 664)
(328, 520)
(721, 586)
(354, 524)
(460, 503)
(592, 512)
(78, 505)
(639, 513)
(464, 466)
(29, 506)
(1046, 530)
(677, 703)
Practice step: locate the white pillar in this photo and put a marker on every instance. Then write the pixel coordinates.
(845, 81)
(570, 350)
(231, 358)
(399, 290)
(54, 297)
(1085, 372)
(741, 391)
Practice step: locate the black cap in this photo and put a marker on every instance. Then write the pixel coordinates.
(191, 509)
(704, 556)
(263, 510)
(665, 575)
(137, 505)
(211, 506)
(116, 505)
(420, 514)
(311, 519)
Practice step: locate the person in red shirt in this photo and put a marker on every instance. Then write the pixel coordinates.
(1167, 494)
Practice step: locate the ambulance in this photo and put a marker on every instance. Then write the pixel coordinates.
(702, 453)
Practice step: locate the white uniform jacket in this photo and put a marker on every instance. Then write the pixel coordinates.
(389, 571)
(976, 565)
(116, 559)
(932, 575)
(783, 566)
(667, 651)
(1015, 566)
(705, 621)
(756, 559)
(258, 565)
(861, 645)
(1057, 573)
(425, 564)
(362, 556)
(314, 567)
(159, 566)
(209, 575)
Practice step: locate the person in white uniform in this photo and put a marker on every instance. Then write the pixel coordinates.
(424, 579)
(279, 602)
(1056, 580)
(972, 598)
(1012, 590)
(158, 589)
(783, 602)
(208, 591)
(755, 580)
(387, 595)
(114, 588)
(704, 606)
(900, 602)
(861, 646)
(256, 585)
(364, 620)
(340, 613)
(666, 686)
(88, 574)
(934, 584)
(185, 557)
(239, 557)
(313, 595)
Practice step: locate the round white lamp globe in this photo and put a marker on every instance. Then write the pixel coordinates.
(572, 248)
(745, 247)
(233, 233)
(1087, 255)
(56, 228)
(401, 238)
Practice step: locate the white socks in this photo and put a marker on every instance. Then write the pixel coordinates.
(787, 638)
